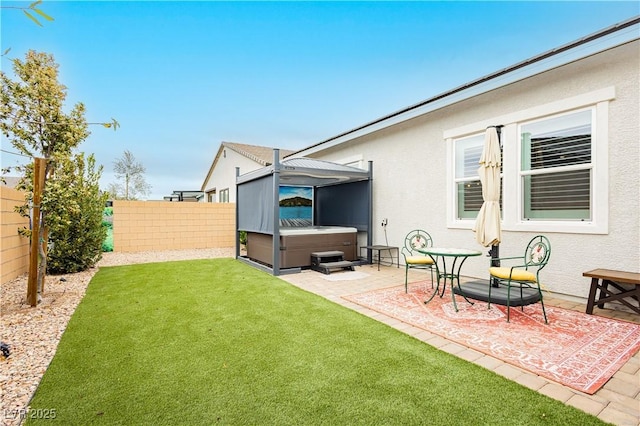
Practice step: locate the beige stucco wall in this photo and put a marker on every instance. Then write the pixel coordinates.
(160, 225)
(14, 249)
(410, 170)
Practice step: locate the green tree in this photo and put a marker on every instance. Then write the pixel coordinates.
(33, 120)
(131, 173)
(27, 11)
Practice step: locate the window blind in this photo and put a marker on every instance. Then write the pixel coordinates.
(556, 167)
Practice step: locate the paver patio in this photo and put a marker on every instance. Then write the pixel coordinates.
(617, 402)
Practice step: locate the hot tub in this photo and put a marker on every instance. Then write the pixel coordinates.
(297, 244)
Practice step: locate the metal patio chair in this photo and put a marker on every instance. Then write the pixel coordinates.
(417, 239)
(524, 276)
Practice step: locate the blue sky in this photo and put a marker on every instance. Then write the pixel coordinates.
(181, 77)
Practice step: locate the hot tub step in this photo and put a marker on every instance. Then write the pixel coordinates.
(327, 267)
(325, 261)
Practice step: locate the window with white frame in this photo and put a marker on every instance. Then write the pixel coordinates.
(555, 167)
(468, 187)
(224, 196)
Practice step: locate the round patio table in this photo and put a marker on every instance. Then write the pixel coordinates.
(456, 254)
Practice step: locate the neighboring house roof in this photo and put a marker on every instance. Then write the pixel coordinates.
(262, 155)
(259, 154)
(607, 38)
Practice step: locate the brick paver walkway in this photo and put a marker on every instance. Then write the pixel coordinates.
(617, 402)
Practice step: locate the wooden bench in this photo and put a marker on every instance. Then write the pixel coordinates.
(606, 280)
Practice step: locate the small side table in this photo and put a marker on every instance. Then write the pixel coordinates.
(380, 248)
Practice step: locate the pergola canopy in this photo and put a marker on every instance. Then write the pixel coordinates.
(308, 172)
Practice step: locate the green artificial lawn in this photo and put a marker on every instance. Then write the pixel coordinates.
(218, 342)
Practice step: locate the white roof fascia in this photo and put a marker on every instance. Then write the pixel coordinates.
(539, 64)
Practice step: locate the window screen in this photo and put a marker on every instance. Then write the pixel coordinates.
(468, 186)
(556, 167)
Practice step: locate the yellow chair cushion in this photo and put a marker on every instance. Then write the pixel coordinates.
(419, 260)
(517, 275)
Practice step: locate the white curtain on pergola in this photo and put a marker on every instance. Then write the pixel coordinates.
(487, 228)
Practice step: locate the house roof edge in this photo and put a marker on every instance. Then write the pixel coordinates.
(419, 108)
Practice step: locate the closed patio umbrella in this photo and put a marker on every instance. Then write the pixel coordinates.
(487, 227)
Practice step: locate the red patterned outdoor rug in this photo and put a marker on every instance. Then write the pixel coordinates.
(575, 349)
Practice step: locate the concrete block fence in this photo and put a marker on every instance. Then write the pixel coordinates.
(162, 225)
(14, 249)
(137, 226)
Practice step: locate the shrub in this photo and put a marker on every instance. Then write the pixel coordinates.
(76, 228)
(107, 244)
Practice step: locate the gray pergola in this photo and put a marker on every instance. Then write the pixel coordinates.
(342, 197)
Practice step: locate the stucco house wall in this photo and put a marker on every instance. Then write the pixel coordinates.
(412, 162)
(223, 175)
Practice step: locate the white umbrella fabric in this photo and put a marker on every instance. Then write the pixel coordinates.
(487, 227)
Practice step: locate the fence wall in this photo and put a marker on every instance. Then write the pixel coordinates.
(14, 249)
(162, 225)
(137, 226)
